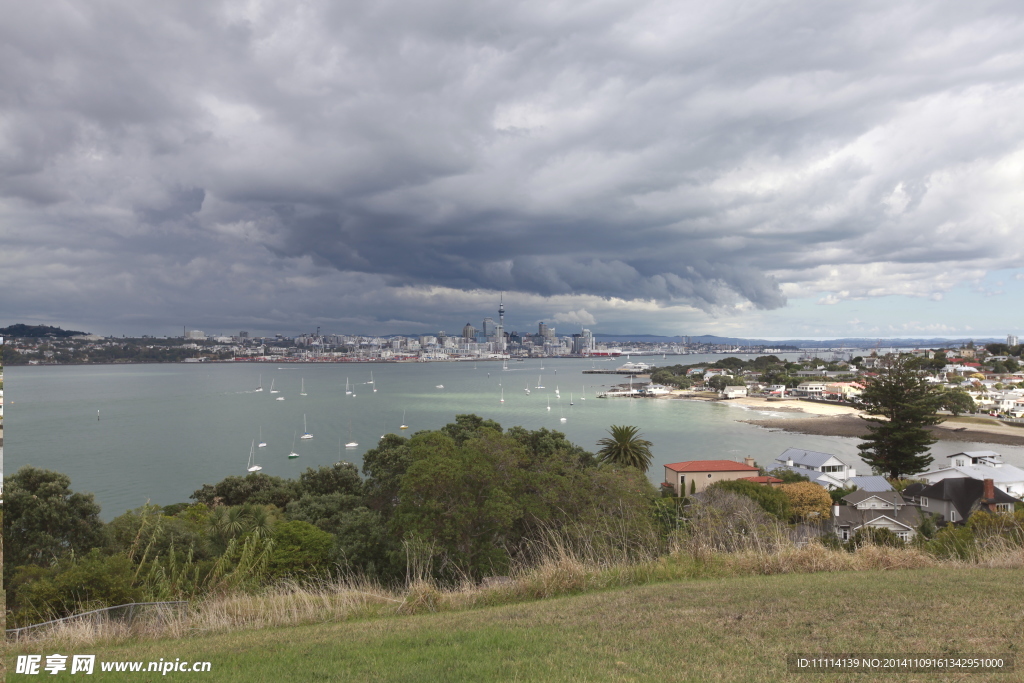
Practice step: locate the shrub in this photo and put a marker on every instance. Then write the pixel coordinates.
(807, 500)
(771, 500)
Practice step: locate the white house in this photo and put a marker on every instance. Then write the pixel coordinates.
(827, 470)
(734, 392)
(981, 465)
(811, 389)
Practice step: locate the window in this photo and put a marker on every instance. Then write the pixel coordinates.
(709, 475)
(846, 534)
(832, 468)
(958, 463)
(924, 501)
(1002, 507)
(903, 535)
(952, 515)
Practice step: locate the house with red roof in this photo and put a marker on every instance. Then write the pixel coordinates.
(697, 475)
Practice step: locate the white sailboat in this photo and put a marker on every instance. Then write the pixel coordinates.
(351, 442)
(251, 466)
(502, 396)
(540, 384)
(293, 454)
(372, 382)
(527, 388)
(260, 387)
(504, 365)
(557, 395)
(562, 418)
(272, 390)
(305, 429)
(583, 396)
(403, 425)
(549, 403)
(347, 389)
(262, 443)
(570, 399)
(302, 391)
(439, 386)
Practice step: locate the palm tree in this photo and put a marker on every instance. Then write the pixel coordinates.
(625, 448)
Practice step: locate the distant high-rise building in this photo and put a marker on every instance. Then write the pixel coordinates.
(469, 332)
(488, 329)
(588, 340)
(500, 332)
(1011, 340)
(244, 334)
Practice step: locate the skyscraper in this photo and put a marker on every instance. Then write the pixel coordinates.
(500, 332)
(469, 332)
(1011, 340)
(488, 328)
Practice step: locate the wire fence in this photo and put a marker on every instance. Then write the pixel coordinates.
(126, 613)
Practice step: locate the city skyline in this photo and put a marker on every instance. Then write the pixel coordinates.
(665, 168)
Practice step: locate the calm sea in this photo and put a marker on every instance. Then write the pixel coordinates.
(165, 430)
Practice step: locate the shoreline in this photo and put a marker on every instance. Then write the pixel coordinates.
(825, 419)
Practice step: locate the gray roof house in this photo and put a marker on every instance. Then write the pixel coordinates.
(874, 510)
(955, 499)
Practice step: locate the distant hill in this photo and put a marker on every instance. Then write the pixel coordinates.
(21, 330)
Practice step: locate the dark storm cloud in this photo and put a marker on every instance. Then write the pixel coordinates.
(249, 159)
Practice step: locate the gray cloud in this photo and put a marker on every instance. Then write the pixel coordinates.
(236, 161)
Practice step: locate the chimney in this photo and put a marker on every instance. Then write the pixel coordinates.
(749, 462)
(989, 495)
(835, 511)
(851, 473)
(789, 462)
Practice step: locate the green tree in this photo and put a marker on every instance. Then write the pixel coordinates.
(626, 448)
(958, 401)
(897, 445)
(45, 520)
(300, 549)
(719, 382)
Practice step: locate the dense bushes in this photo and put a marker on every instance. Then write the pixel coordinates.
(466, 501)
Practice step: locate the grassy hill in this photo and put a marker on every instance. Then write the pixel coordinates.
(732, 629)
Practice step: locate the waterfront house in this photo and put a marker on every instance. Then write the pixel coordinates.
(700, 474)
(980, 465)
(734, 392)
(827, 470)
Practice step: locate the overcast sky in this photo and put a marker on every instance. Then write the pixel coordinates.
(781, 169)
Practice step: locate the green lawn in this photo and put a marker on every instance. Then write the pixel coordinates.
(736, 629)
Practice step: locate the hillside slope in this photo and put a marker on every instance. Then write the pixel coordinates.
(737, 629)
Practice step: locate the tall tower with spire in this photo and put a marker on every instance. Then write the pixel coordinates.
(500, 332)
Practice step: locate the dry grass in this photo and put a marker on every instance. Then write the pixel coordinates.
(565, 570)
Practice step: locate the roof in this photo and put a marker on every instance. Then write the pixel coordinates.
(710, 466)
(870, 483)
(861, 495)
(1001, 474)
(908, 516)
(762, 480)
(976, 454)
(810, 458)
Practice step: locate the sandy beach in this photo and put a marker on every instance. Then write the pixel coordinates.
(826, 419)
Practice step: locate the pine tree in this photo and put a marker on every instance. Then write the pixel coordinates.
(898, 444)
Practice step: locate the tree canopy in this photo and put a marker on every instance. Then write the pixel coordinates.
(625, 447)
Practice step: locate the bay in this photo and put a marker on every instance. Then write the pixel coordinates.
(165, 430)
